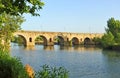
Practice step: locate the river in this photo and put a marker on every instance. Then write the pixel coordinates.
(81, 62)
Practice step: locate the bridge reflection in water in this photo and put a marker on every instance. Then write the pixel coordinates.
(58, 47)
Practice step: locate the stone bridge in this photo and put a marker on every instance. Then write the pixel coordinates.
(49, 38)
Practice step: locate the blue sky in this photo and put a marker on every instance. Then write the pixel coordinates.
(81, 16)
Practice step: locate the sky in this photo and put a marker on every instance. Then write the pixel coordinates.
(79, 16)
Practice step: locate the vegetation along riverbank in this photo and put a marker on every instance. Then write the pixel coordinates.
(111, 39)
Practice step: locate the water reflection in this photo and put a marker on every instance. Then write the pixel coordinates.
(82, 62)
(49, 48)
(112, 63)
(67, 48)
(111, 54)
(29, 48)
(79, 48)
(52, 48)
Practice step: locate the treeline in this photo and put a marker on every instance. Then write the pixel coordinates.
(111, 38)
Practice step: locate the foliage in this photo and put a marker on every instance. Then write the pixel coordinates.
(52, 72)
(107, 40)
(8, 25)
(97, 40)
(18, 7)
(112, 35)
(117, 38)
(11, 67)
(113, 26)
(18, 39)
(39, 38)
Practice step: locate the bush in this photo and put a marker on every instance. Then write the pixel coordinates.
(11, 67)
(52, 72)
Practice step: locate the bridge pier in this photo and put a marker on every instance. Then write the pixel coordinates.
(66, 43)
(30, 44)
(50, 43)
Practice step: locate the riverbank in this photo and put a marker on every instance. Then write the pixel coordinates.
(115, 47)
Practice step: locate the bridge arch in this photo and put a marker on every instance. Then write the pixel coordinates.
(60, 40)
(87, 41)
(42, 38)
(20, 39)
(75, 41)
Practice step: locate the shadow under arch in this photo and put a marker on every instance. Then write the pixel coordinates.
(19, 39)
(59, 40)
(75, 41)
(87, 41)
(41, 40)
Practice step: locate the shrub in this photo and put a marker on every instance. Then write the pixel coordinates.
(11, 67)
(52, 72)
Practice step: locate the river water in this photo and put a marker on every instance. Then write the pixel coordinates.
(81, 62)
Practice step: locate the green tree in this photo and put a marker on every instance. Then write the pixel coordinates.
(39, 38)
(8, 25)
(117, 39)
(19, 7)
(96, 40)
(112, 35)
(107, 40)
(113, 26)
(18, 39)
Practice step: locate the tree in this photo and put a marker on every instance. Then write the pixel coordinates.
(117, 39)
(8, 25)
(112, 35)
(18, 39)
(19, 7)
(96, 40)
(113, 26)
(11, 12)
(107, 40)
